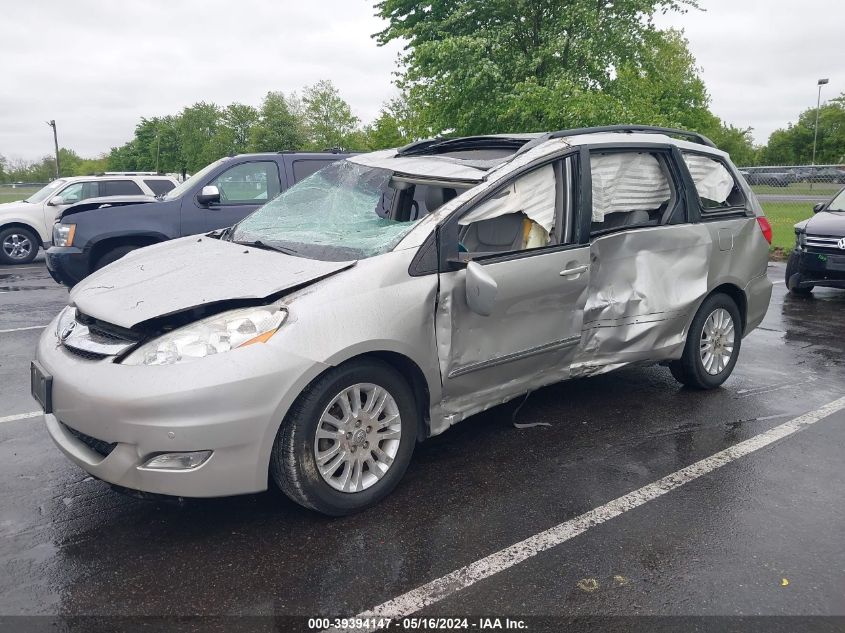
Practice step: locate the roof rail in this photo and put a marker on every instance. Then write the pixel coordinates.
(128, 173)
(647, 129)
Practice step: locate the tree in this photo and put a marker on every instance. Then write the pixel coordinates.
(329, 121)
(236, 128)
(482, 66)
(197, 127)
(793, 145)
(391, 128)
(277, 128)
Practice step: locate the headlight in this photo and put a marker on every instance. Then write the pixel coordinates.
(63, 234)
(802, 239)
(213, 335)
(66, 317)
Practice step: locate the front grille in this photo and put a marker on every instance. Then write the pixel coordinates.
(91, 339)
(827, 244)
(98, 446)
(81, 353)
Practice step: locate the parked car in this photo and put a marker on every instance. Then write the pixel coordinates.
(27, 225)
(780, 178)
(818, 258)
(393, 294)
(98, 232)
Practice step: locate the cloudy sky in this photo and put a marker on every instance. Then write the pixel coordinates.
(96, 66)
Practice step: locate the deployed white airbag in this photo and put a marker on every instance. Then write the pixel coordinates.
(532, 194)
(627, 182)
(712, 180)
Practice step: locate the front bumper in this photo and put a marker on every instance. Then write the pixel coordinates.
(817, 267)
(67, 265)
(231, 404)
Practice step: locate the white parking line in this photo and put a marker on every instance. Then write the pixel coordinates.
(778, 281)
(21, 416)
(22, 329)
(450, 584)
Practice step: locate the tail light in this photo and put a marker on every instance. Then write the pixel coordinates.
(765, 227)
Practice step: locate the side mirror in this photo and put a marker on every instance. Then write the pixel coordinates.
(56, 201)
(818, 207)
(481, 289)
(210, 194)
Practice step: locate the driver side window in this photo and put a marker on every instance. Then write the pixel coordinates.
(72, 193)
(246, 183)
(525, 214)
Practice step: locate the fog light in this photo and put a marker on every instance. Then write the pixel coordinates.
(178, 461)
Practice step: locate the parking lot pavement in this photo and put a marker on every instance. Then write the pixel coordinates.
(761, 534)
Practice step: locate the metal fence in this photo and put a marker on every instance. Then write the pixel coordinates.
(790, 194)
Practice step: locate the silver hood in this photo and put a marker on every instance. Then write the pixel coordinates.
(187, 273)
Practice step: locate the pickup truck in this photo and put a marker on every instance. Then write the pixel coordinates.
(98, 231)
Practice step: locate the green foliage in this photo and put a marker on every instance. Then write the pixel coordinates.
(794, 144)
(484, 66)
(392, 128)
(328, 119)
(278, 126)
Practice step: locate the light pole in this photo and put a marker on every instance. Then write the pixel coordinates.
(821, 82)
(52, 124)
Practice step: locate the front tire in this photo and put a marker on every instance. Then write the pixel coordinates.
(347, 440)
(712, 345)
(792, 266)
(17, 245)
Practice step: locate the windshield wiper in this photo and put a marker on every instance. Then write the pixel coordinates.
(268, 247)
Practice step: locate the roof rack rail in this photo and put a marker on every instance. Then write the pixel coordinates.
(647, 129)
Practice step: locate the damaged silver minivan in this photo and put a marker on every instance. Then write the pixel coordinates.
(393, 294)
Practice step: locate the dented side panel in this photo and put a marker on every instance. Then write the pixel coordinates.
(529, 339)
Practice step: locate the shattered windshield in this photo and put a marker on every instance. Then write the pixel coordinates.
(339, 213)
(838, 203)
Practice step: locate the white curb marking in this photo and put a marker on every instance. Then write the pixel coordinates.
(451, 583)
(22, 329)
(21, 416)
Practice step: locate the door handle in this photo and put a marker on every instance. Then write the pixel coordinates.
(573, 271)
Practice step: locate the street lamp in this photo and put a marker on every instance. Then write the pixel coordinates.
(821, 82)
(52, 124)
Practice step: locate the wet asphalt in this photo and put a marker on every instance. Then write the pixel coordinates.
(764, 535)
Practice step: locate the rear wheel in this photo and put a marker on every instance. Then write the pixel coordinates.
(113, 255)
(712, 346)
(347, 440)
(791, 271)
(17, 245)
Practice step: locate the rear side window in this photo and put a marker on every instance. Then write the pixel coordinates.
(304, 168)
(159, 187)
(119, 188)
(716, 187)
(629, 189)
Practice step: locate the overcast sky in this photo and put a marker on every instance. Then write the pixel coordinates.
(97, 66)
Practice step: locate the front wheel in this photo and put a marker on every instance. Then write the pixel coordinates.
(792, 266)
(712, 346)
(17, 245)
(347, 440)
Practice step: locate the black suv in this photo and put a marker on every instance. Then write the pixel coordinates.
(96, 232)
(819, 255)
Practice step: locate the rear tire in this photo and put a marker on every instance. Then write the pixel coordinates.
(338, 472)
(792, 267)
(17, 245)
(113, 255)
(712, 346)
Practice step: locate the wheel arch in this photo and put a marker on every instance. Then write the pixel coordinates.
(23, 225)
(107, 243)
(734, 292)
